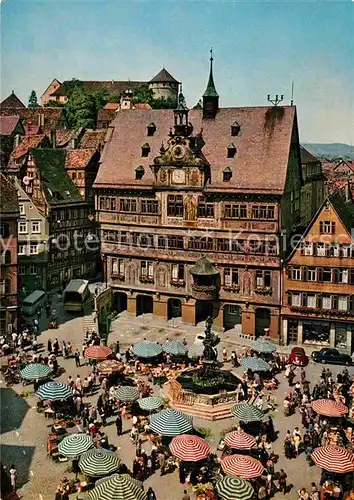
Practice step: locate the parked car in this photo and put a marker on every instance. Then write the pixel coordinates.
(332, 356)
(298, 357)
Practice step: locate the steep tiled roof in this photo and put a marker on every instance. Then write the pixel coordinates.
(32, 129)
(203, 267)
(12, 101)
(163, 76)
(33, 116)
(57, 185)
(78, 158)
(8, 197)
(344, 209)
(106, 115)
(112, 86)
(260, 163)
(111, 105)
(28, 142)
(345, 163)
(93, 139)
(307, 156)
(8, 124)
(64, 137)
(142, 105)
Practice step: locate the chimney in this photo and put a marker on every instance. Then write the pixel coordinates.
(53, 138)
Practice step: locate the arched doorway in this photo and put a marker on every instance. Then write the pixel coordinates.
(174, 308)
(120, 301)
(262, 320)
(232, 316)
(144, 304)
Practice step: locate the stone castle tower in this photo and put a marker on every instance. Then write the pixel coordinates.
(164, 85)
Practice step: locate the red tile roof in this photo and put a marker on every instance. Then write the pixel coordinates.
(52, 117)
(8, 124)
(106, 115)
(111, 105)
(64, 137)
(93, 139)
(8, 198)
(260, 163)
(12, 101)
(32, 129)
(28, 142)
(142, 105)
(78, 158)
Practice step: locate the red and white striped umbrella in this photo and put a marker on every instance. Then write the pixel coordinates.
(242, 466)
(189, 448)
(98, 352)
(334, 458)
(240, 440)
(329, 407)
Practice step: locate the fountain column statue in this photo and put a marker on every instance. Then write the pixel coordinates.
(210, 353)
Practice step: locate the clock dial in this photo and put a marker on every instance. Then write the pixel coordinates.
(178, 152)
(178, 176)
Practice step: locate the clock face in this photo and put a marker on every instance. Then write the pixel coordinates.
(179, 176)
(178, 152)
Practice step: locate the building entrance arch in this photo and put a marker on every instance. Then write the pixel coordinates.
(174, 308)
(232, 316)
(262, 320)
(144, 304)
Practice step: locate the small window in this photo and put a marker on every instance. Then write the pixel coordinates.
(33, 269)
(235, 129)
(151, 128)
(36, 226)
(231, 150)
(227, 174)
(139, 173)
(33, 249)
(22, 227)
(327, 227)
(22, 249)
(145, 150)
(22, 208)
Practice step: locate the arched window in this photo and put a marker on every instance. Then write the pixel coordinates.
(145, 150)
(151, 128)
(231, 150)
(235, 129)
(227, 174)
(139, 172)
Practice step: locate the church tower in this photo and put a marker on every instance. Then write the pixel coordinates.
(210, 96)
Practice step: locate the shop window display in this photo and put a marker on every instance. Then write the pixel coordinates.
(340, 339)
(316, 332)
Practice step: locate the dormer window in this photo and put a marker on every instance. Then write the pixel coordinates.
(227, 174)
(139, 173)
(145, 150)
(231, 150)
(151, 128)
(235, 129)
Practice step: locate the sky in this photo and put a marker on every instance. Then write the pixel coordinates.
(259, 48)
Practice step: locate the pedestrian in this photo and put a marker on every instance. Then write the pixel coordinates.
(291, 377)
(302, 375)
(56, 347)
(185, 495)
(150, 494)
(49, 346)
(85, 386)
(303, 495)
(78, 383)
(162, 461)
(119, 423)
(282, 481)
(297, 440)
(77, 358)
(13, 477)
(224, 355)
(314, 493)
(63, 349)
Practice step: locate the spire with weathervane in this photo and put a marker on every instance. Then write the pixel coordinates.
(210, 96)
(182, 126)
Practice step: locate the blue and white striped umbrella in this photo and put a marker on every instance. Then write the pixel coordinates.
(195, 350)
(127, 393)
(171, 423)
(263, 346)
(175, 347)
(99, 462)
(74, 445)
(147, 349)
(150, 403)
(35, 371)
(255, 364)
(117, 487)
(54, 391)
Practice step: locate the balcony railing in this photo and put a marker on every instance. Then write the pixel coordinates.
(204, 292)
(321, 312)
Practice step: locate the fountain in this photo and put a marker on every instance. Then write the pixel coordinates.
(207, 392)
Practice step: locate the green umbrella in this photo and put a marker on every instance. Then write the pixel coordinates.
(195, 350)
(234, 488)
(99, 462)
(175, 347)
(74, 445)
(150, 403)
(171, 423)
(147, 349)
(263, 346)
(35, 371)
(54, 391)
(255, 364)
(117, 487)
(247, 413)
(127, 393)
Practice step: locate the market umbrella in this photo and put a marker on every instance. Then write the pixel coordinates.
(35, 371)
(54, 391)
(240, 440)
(175, 347)
(189, 448)
(147, 349)
(73, 445)
(150, 403)
(255, 364)
(127, 393)
(99, 462)
(117, 487)
(98, 352)
(263, 346)
(242, 466)
(334, 458)
(247, 413)
(195, 350)
(234, 488)
(170, 423)
(329, 408)
(110, 366)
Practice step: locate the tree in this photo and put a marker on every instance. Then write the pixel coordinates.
(162, 103)
(144, 95)
(81, 109)
(32, 100)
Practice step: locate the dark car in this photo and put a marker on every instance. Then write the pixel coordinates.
(332, 356)
(298, 357)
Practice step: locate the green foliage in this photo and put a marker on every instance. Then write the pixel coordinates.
(81, 109)
(54, 104)
(32, 100)
(143, 94)
(73, 85)
(215, 380)
(163, 103)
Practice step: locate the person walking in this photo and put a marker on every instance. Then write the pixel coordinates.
(119, 424)
(282, 481)
(185, 495)
(49, 346)
(13, 477)
(150, 494)
(77, 358)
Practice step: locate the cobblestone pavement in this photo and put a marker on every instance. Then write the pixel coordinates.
(26, 446)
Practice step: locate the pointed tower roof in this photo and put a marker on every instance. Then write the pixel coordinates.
(203, 267)
(181, 104)
(163, 76)
(210, 90)
(12, 101)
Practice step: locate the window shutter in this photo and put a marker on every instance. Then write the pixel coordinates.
(305, 273)
(321, 227)
(335, 275)
(290, 271)
(320, 274)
